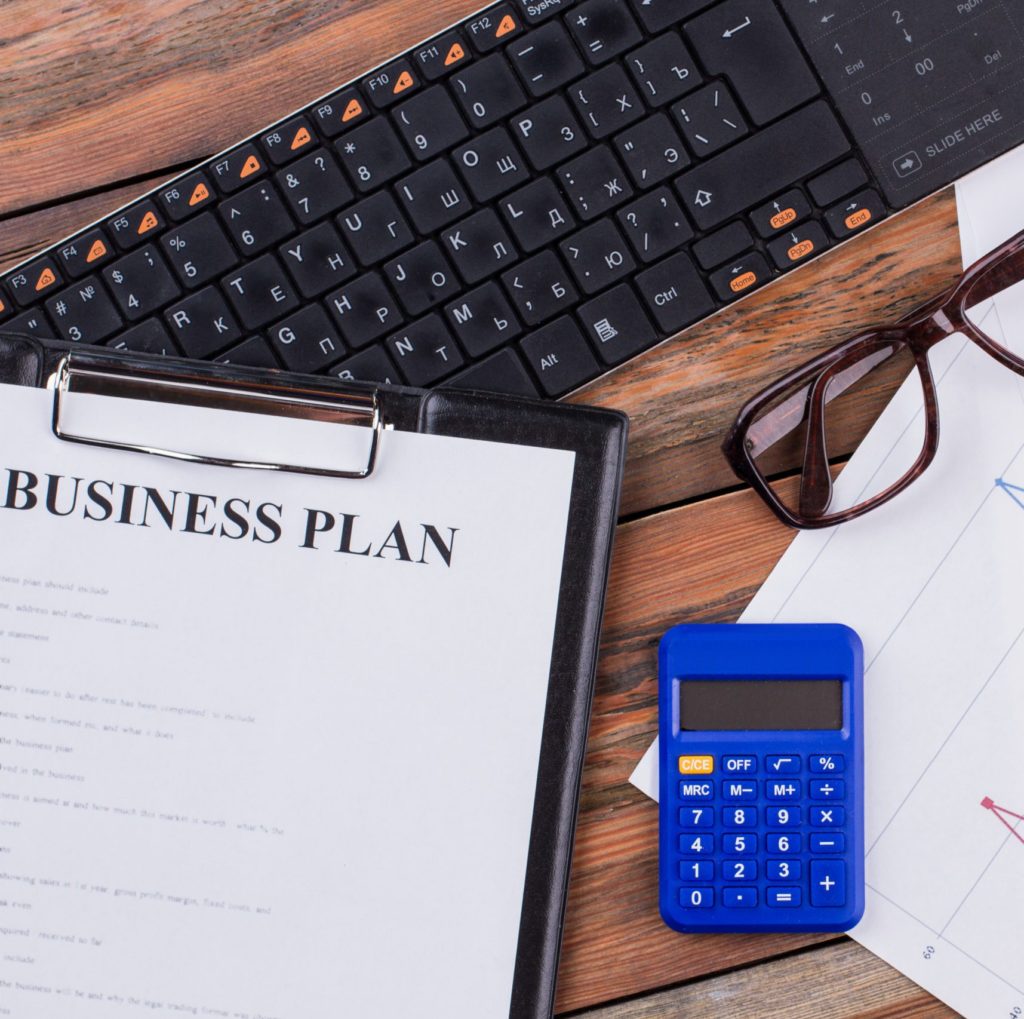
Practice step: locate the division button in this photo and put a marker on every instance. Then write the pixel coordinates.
(827, 789)
(828, 883)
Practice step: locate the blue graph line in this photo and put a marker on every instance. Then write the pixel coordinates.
(1015, 492)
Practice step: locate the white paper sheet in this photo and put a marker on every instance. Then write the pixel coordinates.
(241, 777)
(932, 584)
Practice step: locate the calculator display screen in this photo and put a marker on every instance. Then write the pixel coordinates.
(728, 704)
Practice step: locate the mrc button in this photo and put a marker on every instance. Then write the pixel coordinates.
(696, 764)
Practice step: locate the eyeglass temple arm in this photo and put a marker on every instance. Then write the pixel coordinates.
(816, 478)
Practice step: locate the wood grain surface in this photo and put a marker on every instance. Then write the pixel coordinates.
(102, 99)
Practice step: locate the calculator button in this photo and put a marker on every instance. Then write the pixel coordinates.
(691, 818)
(783, 870)
(827, 789)
(696, 764)
(782, 817)
(739, 817)
(782, 789)
(778, 843)
(828, 763)
(696, 845)
(698, 870)
(739, 790)
(783, 897)
(696, 898)
(739, 765)
(739, 870)
(733, 897)
(828, 842)
(696, 790)
(781, 765)
(828, 817)
(737, 844)
(828, 883)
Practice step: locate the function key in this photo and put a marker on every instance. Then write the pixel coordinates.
(131, 227)
(780, 844)
(737, 765)
(798, 245)
(85, 253)
(735, 844)
(734, 790)
(828, 883)
(691, 790)
(536, 11)
(692, 818)
(782, 764)
(696, 898)
(828, 842)
(783, 870)
(390, 83)
(237, 168)
(289, 140)
(827, 789)
(441, 55)
(341, 111)
(185, 197)
(783, 897)
(828, 817)
(697, 845)
(857, 213)
(499, 25)
(827, 763)
(780, 213)
(737, 279)
(782, 817)
(33, 281)
(697, 870)
(603, 29)
(782, 789)
(6, 306)
(734, 898)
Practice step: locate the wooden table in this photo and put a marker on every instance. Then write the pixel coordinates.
(100, 99)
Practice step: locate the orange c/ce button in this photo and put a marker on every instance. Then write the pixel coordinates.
(696, 764)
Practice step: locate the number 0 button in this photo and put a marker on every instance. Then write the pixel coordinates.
(697, 898)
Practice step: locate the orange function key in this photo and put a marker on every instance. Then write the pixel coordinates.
(135, 225)
(339, 112)
(391, 83)
(187, 196)
(496, 27)
(740, 277)
(862, 210)
(34, 281)
(85, 252)
(289, 141)
(238, 168)
(436, 58)
(6, 306)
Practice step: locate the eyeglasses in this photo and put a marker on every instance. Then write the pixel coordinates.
(804, 414)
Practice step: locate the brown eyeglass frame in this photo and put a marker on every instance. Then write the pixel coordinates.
(830, 374)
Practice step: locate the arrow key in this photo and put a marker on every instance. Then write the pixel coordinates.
(740, 277)
(848, 217)
(798, 245)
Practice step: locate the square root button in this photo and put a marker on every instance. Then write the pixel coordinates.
(828, 883)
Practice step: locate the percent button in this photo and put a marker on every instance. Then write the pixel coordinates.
(827, 763)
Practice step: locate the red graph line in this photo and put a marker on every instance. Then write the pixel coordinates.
(1004, 814)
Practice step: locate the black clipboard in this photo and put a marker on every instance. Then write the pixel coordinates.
(598, 438)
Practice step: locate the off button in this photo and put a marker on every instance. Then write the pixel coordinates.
(696, 764)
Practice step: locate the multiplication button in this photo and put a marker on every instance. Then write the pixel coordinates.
(827, 789)
(828, 817)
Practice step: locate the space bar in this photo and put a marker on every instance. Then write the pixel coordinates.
(763, 165)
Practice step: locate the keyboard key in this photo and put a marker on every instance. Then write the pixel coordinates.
(696, 898)
(782, 789)
(597, 256)
(261, 291)
(782, 817)
(371, 365)
(663, 69)
(32, 323)
(828, 817)
(749, 42)
(373, 154)
(782, 764)
(781, 213)
(762, 165)
(186, 197)
(433, 196)
(488, 91)
(659, 14)
(710, 119)
(482, 320)
(314, 187)
(202, 323)
(831, 764)
(735, 789)
(425, 351)
(549, 132)
(422, 277)
(703, 845)
(540, 288)
(391, 83)
(652, 151)
(839, 181)
(690, 818)
(854, 214)
(256, 218)
(237, 168)
(479, 246)
(289, 141)
(828, 883)
(783, 870)
(697, 870)
(317, 260)
(251, 353)
(502, 372)
(198, 250)
(595, 182)
(617, 325)
(786, 898)
(562, 359)
(499, 25)
(131, 227)
(739, 764)
(733, 898)
(719, 247)
(491, 164)
(603, 29)
(375, 228)
(828, 842)
(6, 306)
(141, 283)
(739, 870)
(340, 112)
(149, 337)
(86, 253)
(441, 56)
(780, 843)
(546, 59)
(364, 310)
(606, 101)
(827, 789)
(674, 293)
(691, 790)
(739, 844)
(655, 225)
(798, 245)
(537, 214)
(307, 340)
(430, 123)
(84, 313)
(34, 280)
(739, 817)
(740, 277)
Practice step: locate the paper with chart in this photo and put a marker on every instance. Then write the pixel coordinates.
(932, 582)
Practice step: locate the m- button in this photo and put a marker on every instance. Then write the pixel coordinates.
(696, 764)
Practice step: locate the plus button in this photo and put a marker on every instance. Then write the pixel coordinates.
(828, 883)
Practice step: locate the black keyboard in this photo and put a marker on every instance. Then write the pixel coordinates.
(544, 191)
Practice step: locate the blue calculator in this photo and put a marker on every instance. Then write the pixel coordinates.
(762, 777)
